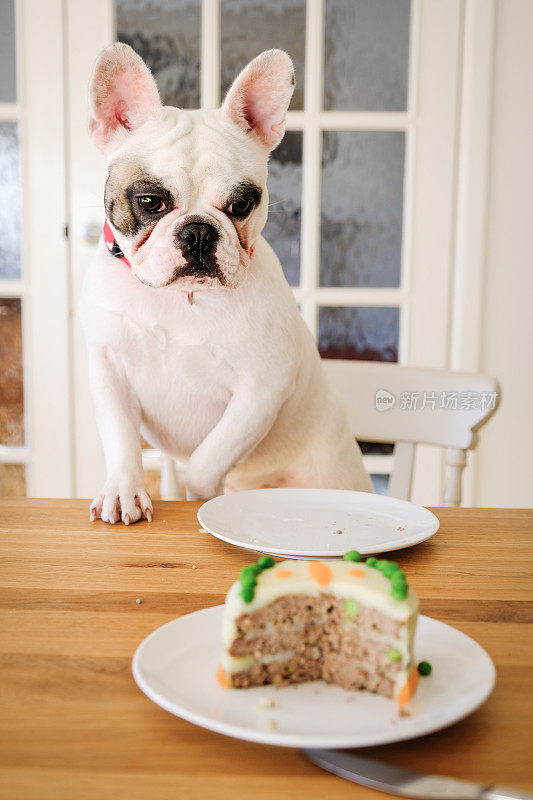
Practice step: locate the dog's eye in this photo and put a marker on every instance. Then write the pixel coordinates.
(151, 203)
(240, 208)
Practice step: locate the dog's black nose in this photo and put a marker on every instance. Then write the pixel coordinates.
(198, 237)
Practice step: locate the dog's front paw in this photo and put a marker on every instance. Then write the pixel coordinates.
(122, 502)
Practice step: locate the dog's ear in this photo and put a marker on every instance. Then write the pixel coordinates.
(259, 97)
(122, 95)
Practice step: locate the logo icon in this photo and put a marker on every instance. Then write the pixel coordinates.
(384, 400)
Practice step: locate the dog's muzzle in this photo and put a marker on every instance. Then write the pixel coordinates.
(198, 242)
(197, 239)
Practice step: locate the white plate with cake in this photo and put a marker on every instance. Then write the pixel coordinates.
(319, 654)
(316, 523)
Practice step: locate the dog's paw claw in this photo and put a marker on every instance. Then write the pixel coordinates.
(95, 509)
(117, 505)
(143, 502)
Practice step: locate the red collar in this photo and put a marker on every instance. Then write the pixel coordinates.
(112, 244)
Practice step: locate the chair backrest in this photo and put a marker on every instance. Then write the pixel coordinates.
(414, 405)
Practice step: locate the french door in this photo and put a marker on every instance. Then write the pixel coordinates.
(36, 434)
(365, 189)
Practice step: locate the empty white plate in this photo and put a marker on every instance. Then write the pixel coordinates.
(305, 523)
(176, 667)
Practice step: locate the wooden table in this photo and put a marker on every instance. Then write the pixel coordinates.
(73, 724)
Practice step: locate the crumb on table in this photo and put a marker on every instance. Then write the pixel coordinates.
(138, 601)
(195, 566)
(339, 531)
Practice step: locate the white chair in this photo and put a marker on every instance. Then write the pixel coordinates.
(170, 487)
(413, 405)
(403, 405)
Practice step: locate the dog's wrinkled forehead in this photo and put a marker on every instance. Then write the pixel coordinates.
(189, 160)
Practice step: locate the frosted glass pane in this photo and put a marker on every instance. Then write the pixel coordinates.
(12, 480)
(10, 202)
(362, 208)
(250, 26)
(380, 483)
(366, 55)
(11, 391)
(361, 333)
(166, 34)
(8, 88)
(282, 230)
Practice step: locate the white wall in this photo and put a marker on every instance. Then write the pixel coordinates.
(504, 474)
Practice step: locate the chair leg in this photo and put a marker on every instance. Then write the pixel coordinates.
(455, 463)
(169, 484)
(401, 479)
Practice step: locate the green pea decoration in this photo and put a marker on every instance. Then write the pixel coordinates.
(424, 668)
(353, 555)
(248, 573)
(372, 562)
(248, 577)
(351, 608)
(399, 591)
(398, 578)
(390, 569)
(251, 583)
(393, 654)
(399, 585)
(248, 592)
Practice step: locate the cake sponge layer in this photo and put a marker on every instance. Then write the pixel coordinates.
(309, 620)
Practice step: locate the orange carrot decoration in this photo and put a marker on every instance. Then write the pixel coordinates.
(283, 573)
(410, 688)
(320, 572)
(222, 679)
(356, 573)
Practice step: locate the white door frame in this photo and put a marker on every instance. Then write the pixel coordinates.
(89, 28)
(443, 35)
(472, 198)
(44, 287)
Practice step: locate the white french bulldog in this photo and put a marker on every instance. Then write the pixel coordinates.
(194, 337)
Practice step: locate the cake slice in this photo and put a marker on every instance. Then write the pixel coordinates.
(350, 623)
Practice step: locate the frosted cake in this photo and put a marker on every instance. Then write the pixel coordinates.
(350, 623)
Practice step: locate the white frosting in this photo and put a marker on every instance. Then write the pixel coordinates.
(370, 588)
